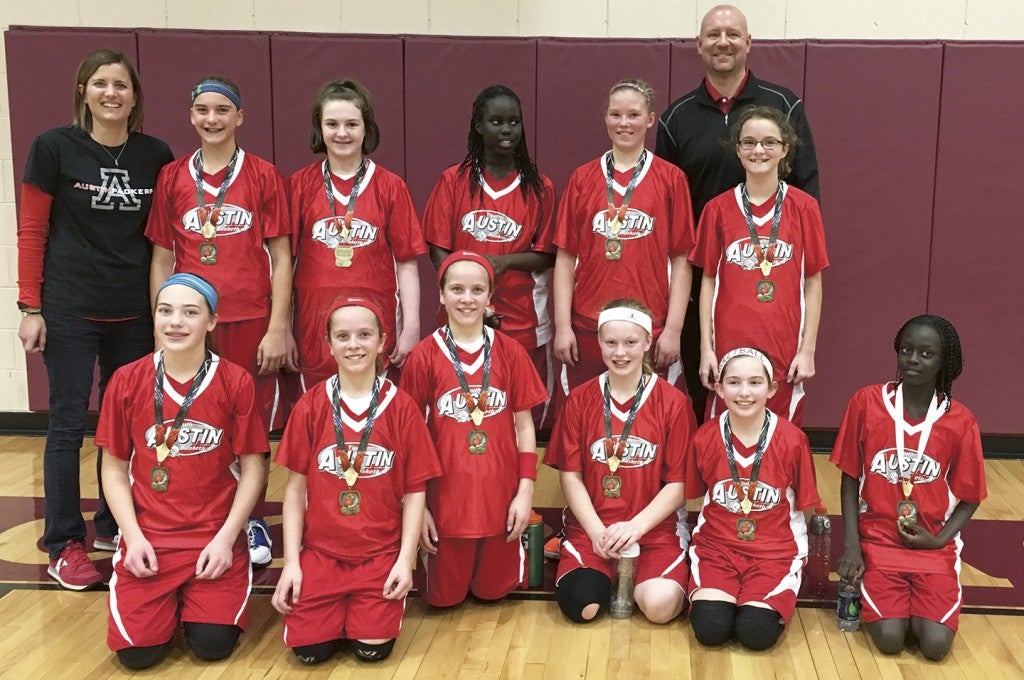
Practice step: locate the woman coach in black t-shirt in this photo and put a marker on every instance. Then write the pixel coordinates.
(83, 278)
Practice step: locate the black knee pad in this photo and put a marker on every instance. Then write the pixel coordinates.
(758, 628)
(364, 651)
(318, 653)
(139, 658)
(580, 588)
(211, 641)
(713, 621)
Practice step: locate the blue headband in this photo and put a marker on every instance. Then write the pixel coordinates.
(219, 88)
(195, 283)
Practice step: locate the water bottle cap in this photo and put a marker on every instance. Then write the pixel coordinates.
(535, 518)
(631, 551)
(821, 510)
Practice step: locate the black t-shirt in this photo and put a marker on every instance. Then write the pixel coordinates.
(97, 257)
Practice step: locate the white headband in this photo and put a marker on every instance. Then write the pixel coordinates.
(746, 352)
(625, 314)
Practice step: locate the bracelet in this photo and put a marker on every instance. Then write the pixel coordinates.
(30, 311)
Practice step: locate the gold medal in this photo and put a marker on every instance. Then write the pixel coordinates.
(765, 290)
(908, 488)
(612, 486)
(208, 252)
(746, 505)
(209, 231)
(746, 528)
(613, 463)
(349, 502)
(351, 476)
(159, 478)
(766, 267)
(612, 248)
(477, 442)
(162, 451)
(477, 415)
(615, 226)
(906, 512)
(343, 256)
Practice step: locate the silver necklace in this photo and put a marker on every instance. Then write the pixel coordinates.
(120, 153)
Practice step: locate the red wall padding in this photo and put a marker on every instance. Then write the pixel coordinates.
(876, 150)
(977, 245)
(172, 62)
(917, 172)
(302, 63)
(573, 79)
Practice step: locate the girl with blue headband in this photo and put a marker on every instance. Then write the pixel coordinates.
(183, 466)
(218, 213)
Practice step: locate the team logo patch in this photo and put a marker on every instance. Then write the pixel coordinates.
(728, 495)
(491, 226)
(634, 225)
(918, 468)
(194, 438)
(452, 404)
(233, 220)
(741, 252)
(377, 461)
(326, 231)
(639, 452)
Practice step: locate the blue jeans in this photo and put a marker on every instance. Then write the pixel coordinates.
(73, 346)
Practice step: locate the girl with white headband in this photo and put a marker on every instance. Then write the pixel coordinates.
(619, 447)
(183, 465)
(222, 213)
(754, 472)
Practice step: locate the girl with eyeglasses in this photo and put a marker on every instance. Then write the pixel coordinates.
(762, 249)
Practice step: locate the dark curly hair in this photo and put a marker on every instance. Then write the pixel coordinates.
(951, 359)
(474, 161)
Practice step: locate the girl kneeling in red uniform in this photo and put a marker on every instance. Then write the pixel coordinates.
(181, 487)
(359, 457)
(621, 468)
(477, 387)
(914, 456)
(755, 473)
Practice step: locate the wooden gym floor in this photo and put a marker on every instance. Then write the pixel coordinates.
(48, 632)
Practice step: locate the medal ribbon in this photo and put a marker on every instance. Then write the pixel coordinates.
(763, 257)
(481, 399)
(222, 191)
(350, 209)
(612, 214)
(162, 436)
(934, 412)
(730, 454)
(610, 449)
(364, 439)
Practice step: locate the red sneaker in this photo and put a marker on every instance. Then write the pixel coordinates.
(106, 543)
(552, 549)
(73, 569)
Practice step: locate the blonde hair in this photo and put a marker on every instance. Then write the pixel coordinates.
(630, 303)
(641, 86)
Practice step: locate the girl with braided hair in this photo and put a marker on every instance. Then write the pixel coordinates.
(913, 456)
(496, 203)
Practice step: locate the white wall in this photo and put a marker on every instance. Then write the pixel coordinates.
(777, 19)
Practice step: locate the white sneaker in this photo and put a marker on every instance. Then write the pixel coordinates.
(259, 543)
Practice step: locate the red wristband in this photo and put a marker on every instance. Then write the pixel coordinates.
(528, 465)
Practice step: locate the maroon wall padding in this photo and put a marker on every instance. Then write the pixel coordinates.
(38, 57)
(573, 79)
(172, 61)
(977, 245)
(304, 62)
(442, 78)
(876, 150)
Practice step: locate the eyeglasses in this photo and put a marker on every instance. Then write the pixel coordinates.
(768, 143)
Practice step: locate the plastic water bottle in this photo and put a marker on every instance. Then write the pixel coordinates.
(848, 606)
(622, 599)
(820, 549)
(533, 537)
